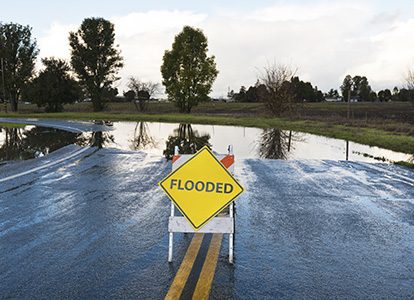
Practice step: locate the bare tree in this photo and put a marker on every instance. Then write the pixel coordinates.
(409, 79)
(278, 97)
(409, 83)
(142, 138)
(275, 144)
(144, 90)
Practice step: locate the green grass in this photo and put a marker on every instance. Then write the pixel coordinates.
(12, 125)
(405, 164)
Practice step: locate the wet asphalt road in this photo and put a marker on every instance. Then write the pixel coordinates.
(94, 226)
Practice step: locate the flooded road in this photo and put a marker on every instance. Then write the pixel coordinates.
(91, 223)
(44, 136)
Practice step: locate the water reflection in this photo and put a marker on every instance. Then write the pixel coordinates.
(23, 143)
(31, 142)
(97, 139)
(35, 141)
(188, 140)
(276, 144)
(142, 138)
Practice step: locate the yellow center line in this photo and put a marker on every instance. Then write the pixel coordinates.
(182, 275)
(202, 290)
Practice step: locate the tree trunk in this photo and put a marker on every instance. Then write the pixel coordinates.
(14, 104)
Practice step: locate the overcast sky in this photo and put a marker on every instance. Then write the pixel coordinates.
(323, 40)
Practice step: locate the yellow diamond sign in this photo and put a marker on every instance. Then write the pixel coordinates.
(201, 187)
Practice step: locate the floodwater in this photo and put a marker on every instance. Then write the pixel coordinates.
(88, 220)
(160, 139)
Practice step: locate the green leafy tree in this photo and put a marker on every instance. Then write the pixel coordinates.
(361, 87)
(333, 93)
(373, 96)
(241, 95)
(364, 89)
(358, 86)
(256, 93)
(346, 87)
(130, 95)
(406, 95)
(188, 73)
(304, 91)
(19, 52)
(384, 95)
(95, 58)
(381, 95)
(395, 94)
(53, 87)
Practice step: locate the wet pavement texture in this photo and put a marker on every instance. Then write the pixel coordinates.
(88, 223)
(324, 230)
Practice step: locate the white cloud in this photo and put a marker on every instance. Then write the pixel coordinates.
(55, 42)
(155, 21)
(321, 45)
(284, 11)
(391, 57)
(143, 38)
(325, 41)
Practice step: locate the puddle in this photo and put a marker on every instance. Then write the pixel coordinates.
(160, 139)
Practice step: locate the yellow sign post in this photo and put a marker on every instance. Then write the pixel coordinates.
(201, 187)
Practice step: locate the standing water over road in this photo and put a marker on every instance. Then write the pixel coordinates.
(159, 139)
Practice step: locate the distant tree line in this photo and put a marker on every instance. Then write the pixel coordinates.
(188, 74)
(278, 88)
(300, 92)
(357, 88)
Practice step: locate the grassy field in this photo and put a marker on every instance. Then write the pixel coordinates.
(386, 125)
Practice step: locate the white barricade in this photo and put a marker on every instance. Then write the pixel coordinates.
(219, 224)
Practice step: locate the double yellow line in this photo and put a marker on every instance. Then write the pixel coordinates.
(203, 287)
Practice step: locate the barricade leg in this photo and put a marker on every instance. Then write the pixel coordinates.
(170, 248)
(231, 246)
(231, 236)
(171, 243)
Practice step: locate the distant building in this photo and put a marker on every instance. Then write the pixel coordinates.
(333, 99)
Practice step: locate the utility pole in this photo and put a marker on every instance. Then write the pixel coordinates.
(349, 100)
(4, 91)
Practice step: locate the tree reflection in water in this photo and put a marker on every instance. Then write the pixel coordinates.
(142, 138)
(96, 139)
(35, 141)
(188, 140)
(23, 143)
(276, 143)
